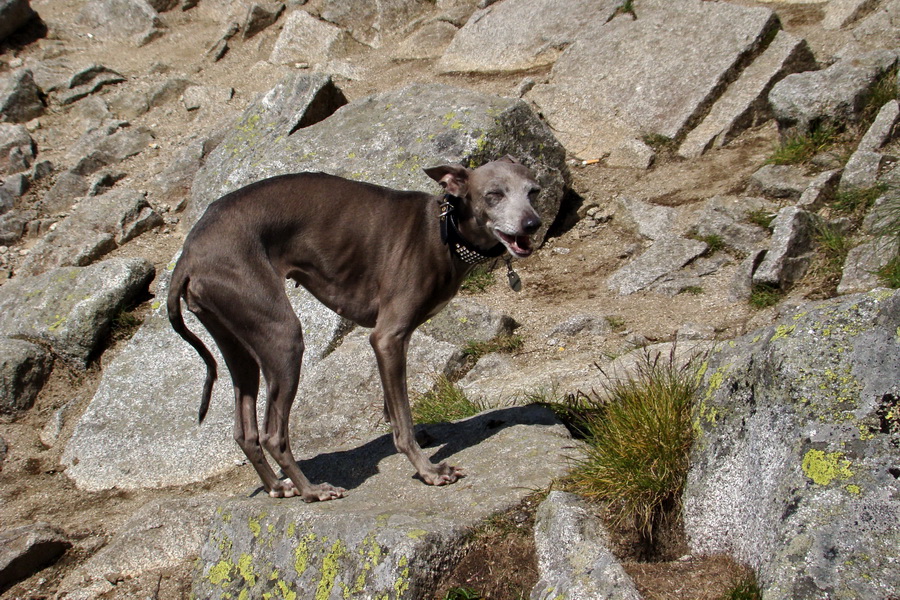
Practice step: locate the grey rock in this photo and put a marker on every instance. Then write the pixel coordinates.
(110, 143)
(163, 5)
(841, 13)
(17, 185)
(162, 534)
(371, 140)
(140, 429)
(24, 367)
(881, 28)
(574, 556)
(745, 103)
(427, 42)
(631, 153)
(66, 189)
(779, 181)
(134, 20)
(793, 470)
(464, 320)
(70, 309)
(206, 96)
(13, 15)
(883, 128)
(97, 226)
(836, 94)
(386, 537)
(7, 200)
(862, 170)
(27, 549)
(374, 23)
(12, 224)
(666, 255)
(54, 425)
(787, 257)
(4, 450)
(517, 35)
(726, 218)
(261, 16)
(20, 97)
(171, 90)
(695, 332)
(175, 180)
(17, 149)
(651, 220)
(581, 324)
(305, 39)
(860, 272)
(87, 81)
(820, 190)
(655, 79)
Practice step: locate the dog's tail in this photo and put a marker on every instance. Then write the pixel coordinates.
(177, 288)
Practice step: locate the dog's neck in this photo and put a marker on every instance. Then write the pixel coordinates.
(457, 224)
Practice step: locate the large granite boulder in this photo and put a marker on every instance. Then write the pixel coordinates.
(795, 469)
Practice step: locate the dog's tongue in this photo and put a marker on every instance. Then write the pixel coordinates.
(520, 244)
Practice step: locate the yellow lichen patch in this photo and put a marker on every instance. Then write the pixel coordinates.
(220, 573)
(286, 592)
(301, 553)
(854, 489)
(823, 468)
(402, 583)
(254, 524)
(330, 569)
(245, 568)
(416, 533)
(782, 331)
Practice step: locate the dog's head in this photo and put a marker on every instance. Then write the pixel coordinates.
(499, 195)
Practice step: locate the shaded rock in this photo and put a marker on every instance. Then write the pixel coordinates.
(85, 82)
(864, 166)
(162, 534)
(12, 224)
(70, 309)
(135, 20)
(4, 450)
(667, 254)
(372, 23)
(24, 368)
(7, 201)
(517, 35)
(883, 129)
(97, 226)
(371, 140)
(66, 189)
(836, 94)
(860, 271)
(392, 533)
(20, 97)
(788, 255)
(652, 220)
(16, 185)
(745, 103)
(464, 320)
(307, 40)
(427, 42)
(13, 15)
(27, 549)
(110, 143)
(656, 79)
(820, 190)
(574, 556)
(140, 429)
(779, 181)
(261, 16)
(17, 149)
(840, 13)
(726, 218)
(794, 468)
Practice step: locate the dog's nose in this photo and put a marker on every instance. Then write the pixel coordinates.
(531, 224)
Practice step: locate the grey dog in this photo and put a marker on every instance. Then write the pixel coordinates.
(383, 258)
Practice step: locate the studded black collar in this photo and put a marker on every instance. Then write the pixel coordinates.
(460, 246)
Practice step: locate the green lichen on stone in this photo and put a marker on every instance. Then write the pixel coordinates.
(782, 331)
(59, 322)
(255, 526)
(245, 568)
(220, 573)
(301, 553)
(244, 595)
(330, 570)
(401, 585)
(854, 489)
(823, 468)
(286, 592)
(416, 534)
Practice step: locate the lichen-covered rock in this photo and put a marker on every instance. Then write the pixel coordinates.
(71, 309)
(388, 139)
(392, 535)
(795, 468)
(574, 557)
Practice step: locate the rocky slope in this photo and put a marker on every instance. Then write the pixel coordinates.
(649, 124)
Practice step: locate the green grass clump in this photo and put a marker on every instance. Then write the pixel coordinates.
(693, 290)
(443, 403)
(884, 90)
(506, 344)
(744, 589)
(833, 247)
(798, 149)
(462, 593)
(638, 438)
(761, 218)
(856, 201)
(765, 295)
(478, 280)
(889, 274)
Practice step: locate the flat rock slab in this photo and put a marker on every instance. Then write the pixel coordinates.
(28, 549)
(70, 309)
(391, 534)
(666, 255)
(794, 471)
(140, 429)
(628, 77)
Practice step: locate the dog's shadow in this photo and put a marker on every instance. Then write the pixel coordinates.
(351, 468)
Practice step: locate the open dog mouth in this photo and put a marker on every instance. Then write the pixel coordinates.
(518, 245)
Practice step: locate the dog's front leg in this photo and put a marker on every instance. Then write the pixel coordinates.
(390, 352)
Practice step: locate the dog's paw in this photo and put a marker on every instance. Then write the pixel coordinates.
(285, 489)
(322, 492)
(443, 474)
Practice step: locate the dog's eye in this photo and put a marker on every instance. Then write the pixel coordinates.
(493, 197)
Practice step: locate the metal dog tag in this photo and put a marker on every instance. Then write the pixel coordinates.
(514, 281)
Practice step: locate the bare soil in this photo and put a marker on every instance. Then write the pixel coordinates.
(566, 277)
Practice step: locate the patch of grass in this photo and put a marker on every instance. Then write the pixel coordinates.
(125, 324)
(617, 323)
(506, 344)
(761, 218)
(856, 201)
(884, 90)
(828, 263)
(660, 143)
(462, 593)
(744, 589)
(638, 437)
(443, 403)
(478, 280)
(764, 295)
(693, 290)
(799, 149)
(713, 241)
(889, 274)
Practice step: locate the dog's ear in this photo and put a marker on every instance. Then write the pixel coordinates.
(453, 178)
(508, 159)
